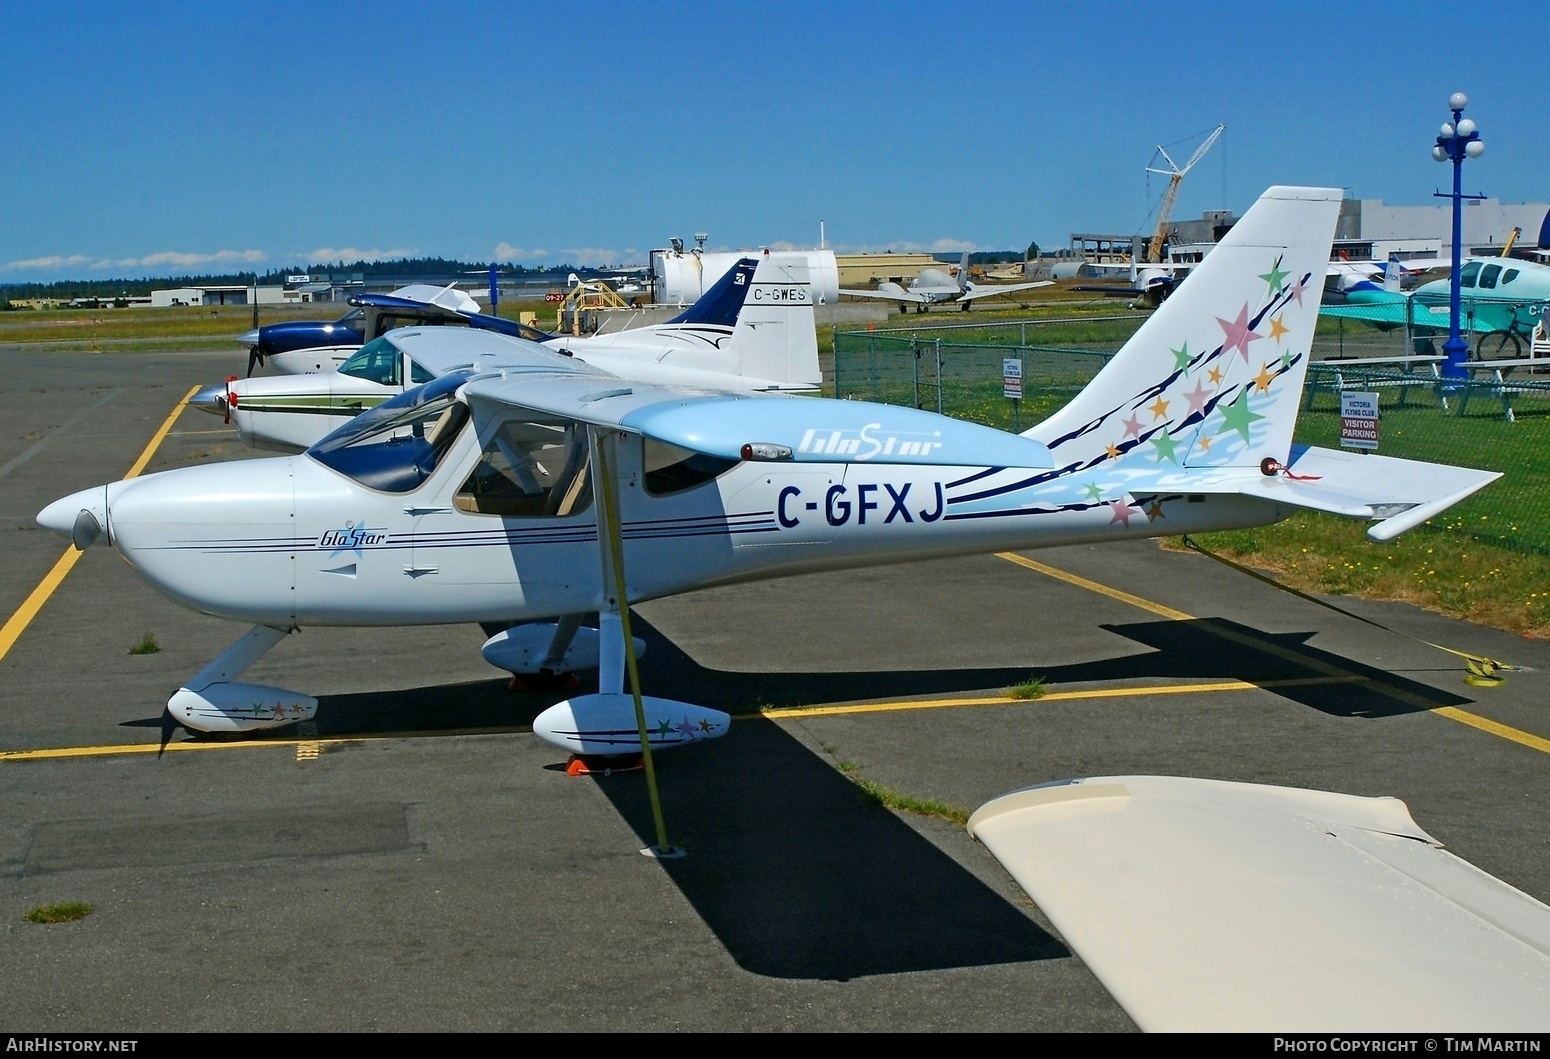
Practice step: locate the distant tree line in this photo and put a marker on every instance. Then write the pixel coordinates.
(410, 267)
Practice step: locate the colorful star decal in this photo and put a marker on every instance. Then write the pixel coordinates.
(1112, 451)
(1298, 288)
(1237, 416)
(1181, 358)
(1132, 427)
(1165, 446)
(1238, 333)
(1093, 492)
(1158, 408)
(1286, 360)
(1277, 328)
(1276, 276)
(1263, 380)
(1154, 510)
(1204, 441)
(665, 728)
(1123, 512)
(1197, 397)
(1215, 375)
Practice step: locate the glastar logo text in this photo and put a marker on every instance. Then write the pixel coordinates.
(351, 538)
(864, 445)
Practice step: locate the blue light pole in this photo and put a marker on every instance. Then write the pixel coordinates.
(1458, 140)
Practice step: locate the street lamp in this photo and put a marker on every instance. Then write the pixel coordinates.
(1458, 140)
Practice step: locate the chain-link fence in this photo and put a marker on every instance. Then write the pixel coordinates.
(1493, 419)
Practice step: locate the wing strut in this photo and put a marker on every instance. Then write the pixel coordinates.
(603, 443)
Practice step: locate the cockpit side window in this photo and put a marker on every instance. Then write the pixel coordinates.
(396, 446)
(1467, 276)
(670, 469)
(417, 374)
(1508, 276)
(377, 361)
(531, 468)
(1488, 276)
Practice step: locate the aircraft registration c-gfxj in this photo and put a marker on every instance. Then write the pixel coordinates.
(502, 494)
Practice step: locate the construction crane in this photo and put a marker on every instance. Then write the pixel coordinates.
(1175, 175)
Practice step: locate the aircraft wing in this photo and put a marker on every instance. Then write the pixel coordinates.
(1389, 312)
(769, 427)
(900, 295)
(1005, 288)
(1203, 905)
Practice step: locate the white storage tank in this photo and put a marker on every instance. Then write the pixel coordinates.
(681, 276)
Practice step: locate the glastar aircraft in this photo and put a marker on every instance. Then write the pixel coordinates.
(933, 287)
(538, 489)
(753, 329)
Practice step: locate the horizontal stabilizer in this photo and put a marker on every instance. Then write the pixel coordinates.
(1399, 494)
(1203, 905)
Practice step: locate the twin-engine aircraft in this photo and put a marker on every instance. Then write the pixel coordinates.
(536, 488)
(754, 329)
(933, 287)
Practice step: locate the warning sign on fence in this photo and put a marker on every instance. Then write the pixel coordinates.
(1358, 420)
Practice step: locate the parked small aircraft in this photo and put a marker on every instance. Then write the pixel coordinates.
(533, 487)
(754, 329)
(297, 346)
(1502, 300)
(934, 287)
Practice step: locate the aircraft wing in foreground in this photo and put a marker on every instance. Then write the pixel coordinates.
(1203, 905)
(485, 495)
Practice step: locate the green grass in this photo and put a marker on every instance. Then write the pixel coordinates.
(65, 912)
(1032, 688)
(146, 646)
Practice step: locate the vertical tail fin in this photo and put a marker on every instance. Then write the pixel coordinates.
(1214, 377)
(776, 336)
(724, 301)
(963, 272)
(1393, 274)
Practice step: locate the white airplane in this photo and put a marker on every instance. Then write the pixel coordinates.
(754, 329)
(297, 346)
(540, 489)
(934, 287)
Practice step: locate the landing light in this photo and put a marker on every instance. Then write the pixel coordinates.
(763, 450)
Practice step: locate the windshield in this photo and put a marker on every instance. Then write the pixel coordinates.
(397, 445)
(350, 319)
(377, 361)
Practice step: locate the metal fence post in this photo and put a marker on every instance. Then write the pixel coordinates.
(939, 376)
(915, 348)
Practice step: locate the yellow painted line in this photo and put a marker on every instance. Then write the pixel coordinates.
(12, 629)
(308, 747)
(1476, 721)
(1093, 586)
(1410, 698)
(302, 746)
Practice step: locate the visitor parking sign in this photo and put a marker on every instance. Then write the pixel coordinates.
(1358, 420)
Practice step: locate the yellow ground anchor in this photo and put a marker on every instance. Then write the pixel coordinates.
(1480, 671)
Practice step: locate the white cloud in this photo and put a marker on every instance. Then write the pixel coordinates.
(48, 263)
(504, 251)
(175, 259)
(600, 256)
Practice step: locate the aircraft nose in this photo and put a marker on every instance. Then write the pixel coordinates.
(211, 399)
(248, 338)
(81, 516)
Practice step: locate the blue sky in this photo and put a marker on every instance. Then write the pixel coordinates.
(155, 139)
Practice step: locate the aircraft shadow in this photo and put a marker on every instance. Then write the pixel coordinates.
(800, 878)
(1197, 649)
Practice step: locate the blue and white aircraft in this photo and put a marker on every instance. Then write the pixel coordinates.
(535, 488)
(297, 346)
(753, 329)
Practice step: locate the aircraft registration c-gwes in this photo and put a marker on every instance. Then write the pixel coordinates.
(542, 490)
